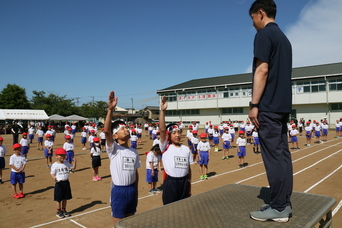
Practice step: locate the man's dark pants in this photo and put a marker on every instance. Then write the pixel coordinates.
(277, 157)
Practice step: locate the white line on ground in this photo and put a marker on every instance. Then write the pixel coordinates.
(337, 208)
(77, 223)
(99, 209)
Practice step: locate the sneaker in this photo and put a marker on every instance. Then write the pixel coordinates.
(1, 182)
(66, 214)
(16, 195)
(266, 206)
(227, 157)
(240, 166)
(298, 148)
(271, 214)
(84, 148)
(47, 166)
(95, 179)
(223, 158)
(151, 192)
(202, 177)
(156, 190)
(308, 145)
(98, 178)
(205, 177)
(21, 195)
(60, 214)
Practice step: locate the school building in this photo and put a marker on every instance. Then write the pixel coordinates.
(316, 94)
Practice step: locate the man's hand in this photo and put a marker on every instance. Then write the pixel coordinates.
(253, 116)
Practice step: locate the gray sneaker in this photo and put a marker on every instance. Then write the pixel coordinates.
(60, 214)
(266, 206)
(269, 213)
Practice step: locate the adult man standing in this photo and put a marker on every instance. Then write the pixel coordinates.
(270, 107)
(15, 132)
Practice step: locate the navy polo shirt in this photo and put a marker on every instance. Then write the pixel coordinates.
(272, 46)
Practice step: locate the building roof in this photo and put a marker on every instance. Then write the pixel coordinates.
(152, 108)
(332, 69)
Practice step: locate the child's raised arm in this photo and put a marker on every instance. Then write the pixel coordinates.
(112, 102)
(162, 126)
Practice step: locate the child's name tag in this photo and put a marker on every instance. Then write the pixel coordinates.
(128, 163)
(181, 162)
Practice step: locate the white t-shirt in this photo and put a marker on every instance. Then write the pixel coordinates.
(68, 146)
(203, 146)
(255, 134)
(156, 141)
(123, 164)
(231, 130)
(325, 126)
(293, 132)
(48, 143)
(90, 138)
(83, 134)
(152, 158)
(2, 151)
(249, 127)
(61, 171)
(241, 141)
(24, 142)
(194, 140)
(210, 131)
(134, 138)
(48, 132)
(95, 151)
(189, 134)
(176, 160)
(40, 133)
(317, 128)
(226, 137)
(216, 134)
(31, 131)
(308, 128)
(17, 161)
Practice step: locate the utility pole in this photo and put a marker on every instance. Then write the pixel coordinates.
(132, 104)
(77, 98)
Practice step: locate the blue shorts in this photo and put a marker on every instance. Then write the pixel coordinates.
(17, 178)
(221, 132)
(139, 135)
(248, 133)
(134, 144)
(317, 133)
(216, 140)
(123, 200)
(308, 134)
(206, 130)
(2, 162)
(194, 149)
(210, 137)
(189, 143)
(338, 129)
(73, 131)
(149, 177)
(83, 140)
(294, 139)
(150, 132)
(227, 145)
(154, 136)
(325, 132)
(31, 136)
(40, 139)
(91, 145)
(69, 155)
(233, 136)
(46, 154)
(24, 150)
(256, 141)
(242, 152)
(204, 158)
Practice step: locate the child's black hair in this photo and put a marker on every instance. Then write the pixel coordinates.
(156, 149)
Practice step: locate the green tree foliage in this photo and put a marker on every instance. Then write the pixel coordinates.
(53, 104)
(95, 109)
(13, 97)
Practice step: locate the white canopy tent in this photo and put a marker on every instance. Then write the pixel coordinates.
(75, 118)
(57, 117)
(22, 114)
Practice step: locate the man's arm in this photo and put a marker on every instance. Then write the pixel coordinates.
(259, 84)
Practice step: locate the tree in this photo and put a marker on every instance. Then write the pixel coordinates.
(14, 97)
(53, 104)
(95, 109)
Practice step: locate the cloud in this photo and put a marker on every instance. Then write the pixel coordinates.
(316, 36)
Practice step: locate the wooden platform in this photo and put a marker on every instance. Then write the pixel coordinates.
(229, 206)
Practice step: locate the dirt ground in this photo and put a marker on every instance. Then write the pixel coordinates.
(90, 204)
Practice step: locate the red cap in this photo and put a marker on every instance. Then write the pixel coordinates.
(226, 128)
(203, 135)
(241, 132)
(67, 137)
(69, 129)
(190, 126)
(48, 136)
(194, 132)
(16, 146)
(24, 133)
(92, 131)
(60, 151)
(293, 125)
(96, 139)
(308, 122)
(216, 127)
(1, 138)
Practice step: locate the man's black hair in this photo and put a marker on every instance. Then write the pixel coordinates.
(268, 6)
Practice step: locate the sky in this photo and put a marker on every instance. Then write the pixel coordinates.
(83, 49)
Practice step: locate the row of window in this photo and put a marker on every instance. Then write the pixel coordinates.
(239, 110)
(298, 86)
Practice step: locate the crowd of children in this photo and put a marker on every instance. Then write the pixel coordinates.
(167, 155)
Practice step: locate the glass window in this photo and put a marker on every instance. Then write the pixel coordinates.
(336, 107)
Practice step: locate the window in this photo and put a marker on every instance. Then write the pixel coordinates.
(246, 91)
(336, 107)
(232, 110)
(234, 92)
(172, 112)
(170, 97)
(335, 83)
(311, 86)
(190, 112)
